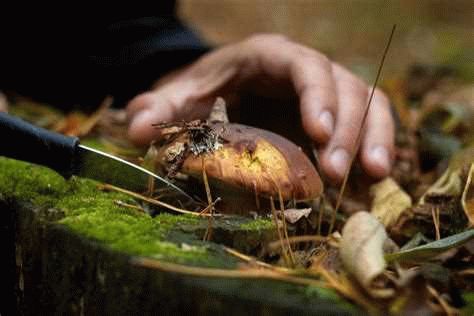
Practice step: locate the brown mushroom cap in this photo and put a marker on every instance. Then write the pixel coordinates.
(258, 161)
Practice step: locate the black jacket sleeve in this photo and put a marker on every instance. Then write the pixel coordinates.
(78, 56)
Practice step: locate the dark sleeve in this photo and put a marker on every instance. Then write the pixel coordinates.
(138, 51)
(79, 56)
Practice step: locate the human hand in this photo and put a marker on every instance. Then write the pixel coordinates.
(3, 103)
(332, 100)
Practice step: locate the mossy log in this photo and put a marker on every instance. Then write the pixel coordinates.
(68, 248)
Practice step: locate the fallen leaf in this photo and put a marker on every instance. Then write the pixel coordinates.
(389, 201)
(361, 248)
(431, 249)
(449, 184)
(467, 199)
(293, 215)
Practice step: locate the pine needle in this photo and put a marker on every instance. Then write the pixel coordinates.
(134, 207)
(255, 261)
(280, 236)
(297, 239)
(208, 233)
(110, 187)
(226, 273)
(285, 228)
(359, 135)
(435, 215)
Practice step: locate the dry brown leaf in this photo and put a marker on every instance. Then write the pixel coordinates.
(361, 248)
(389, 201)
(449, 184)
(467, 199)
(293, 215)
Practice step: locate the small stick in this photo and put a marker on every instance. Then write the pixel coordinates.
(207, 208)
(359, 135)
(448, 309)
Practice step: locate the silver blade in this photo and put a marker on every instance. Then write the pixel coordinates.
(97, 165)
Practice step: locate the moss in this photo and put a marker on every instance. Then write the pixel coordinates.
(92, 213)
(258, 225)
(30, 183)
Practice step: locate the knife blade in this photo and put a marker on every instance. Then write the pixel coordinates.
(24, 141)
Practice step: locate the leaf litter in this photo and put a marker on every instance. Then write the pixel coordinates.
(420, 216)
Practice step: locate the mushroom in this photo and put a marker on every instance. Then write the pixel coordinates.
(245, 166)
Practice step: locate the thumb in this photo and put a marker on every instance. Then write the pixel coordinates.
(145, 110)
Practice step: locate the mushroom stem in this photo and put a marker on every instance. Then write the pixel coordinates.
(219, 111)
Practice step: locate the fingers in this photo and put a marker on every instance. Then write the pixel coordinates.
(144, 111)
(377, 141)
(377, 152)
(175, 101)
(315, 86)
(309, 72)
(351, 101)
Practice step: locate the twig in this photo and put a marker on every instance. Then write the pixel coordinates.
(359, 135)
(208, 208)
(468, 272)
(448, 309)
(92, 121)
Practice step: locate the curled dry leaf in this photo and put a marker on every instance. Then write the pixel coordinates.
(449, 184)
(389, 201)
(361, 248)
(293, 215)
(467, 199)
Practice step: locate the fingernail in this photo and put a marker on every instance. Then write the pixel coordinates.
(339, 160)
(327, 122)
(379, 154)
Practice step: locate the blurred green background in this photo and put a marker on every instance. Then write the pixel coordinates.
(351, 32)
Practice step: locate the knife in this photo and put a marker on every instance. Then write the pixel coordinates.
(23, 141)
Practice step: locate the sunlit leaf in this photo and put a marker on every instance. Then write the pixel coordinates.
(389, 201)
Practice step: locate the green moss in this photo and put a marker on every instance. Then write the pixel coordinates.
(30, 183)
(94, 214)
(258, 224)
